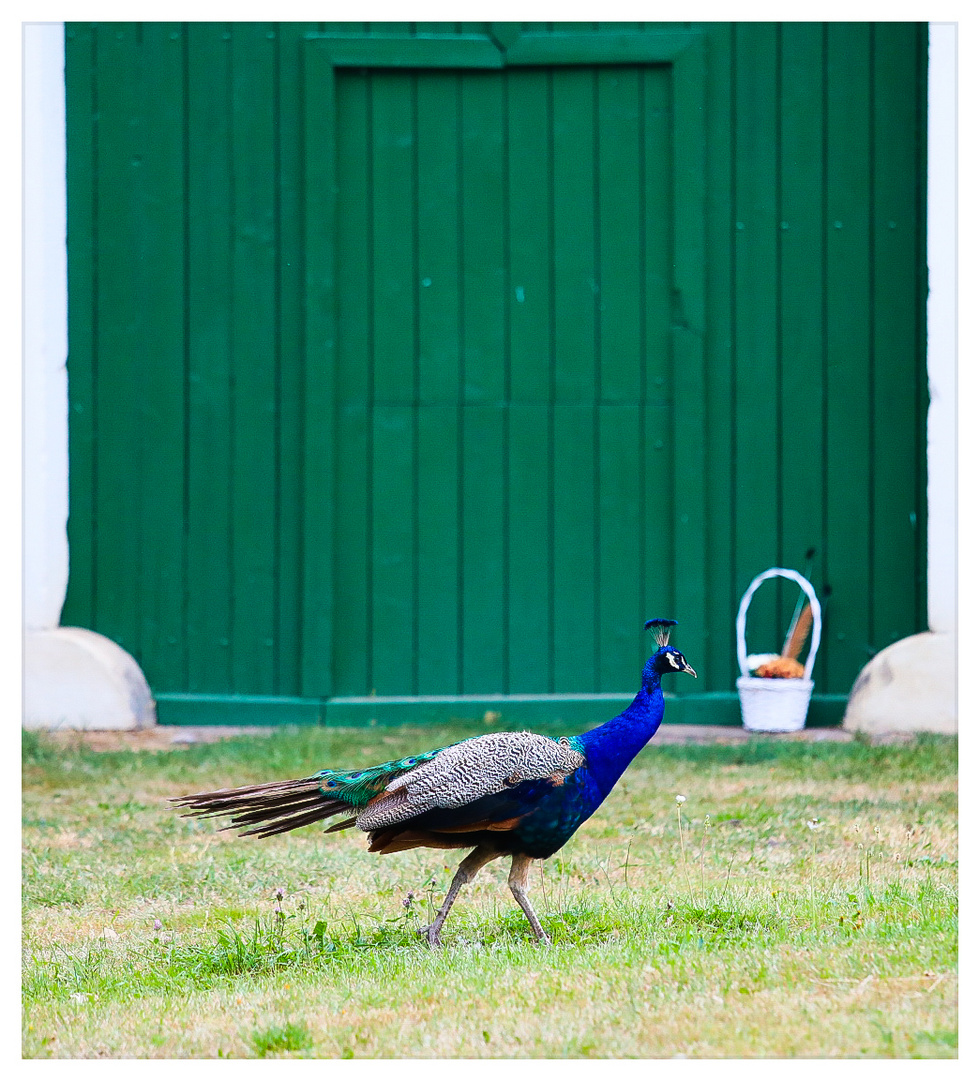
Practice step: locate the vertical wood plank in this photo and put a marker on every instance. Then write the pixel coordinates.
(439, 315)
(254, 357)
(531, 289)
(575, 566)
(319, 374)
(658, 587)
(575, 272)
(482, 528)
(393, 526)
(439, 594)
(439, 219)
(620, 613)
(482, 193)
(355, 239)
(849, 343)
(161, 356)
(721, 576)
(81, 62)
(289, 149)
(121, 299)
(895, 447)
(756, 312)
(528, 568)
(620, 223)
(483, 342)
(394, 296)
(656, 233)
(352, 596)
(354, 381)
(656, 382)
(209, 464)
(801, 238)
(689, 324)
(392, 206)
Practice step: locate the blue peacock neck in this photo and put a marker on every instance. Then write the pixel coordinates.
(611, 747)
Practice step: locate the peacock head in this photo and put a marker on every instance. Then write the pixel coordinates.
(666, 660)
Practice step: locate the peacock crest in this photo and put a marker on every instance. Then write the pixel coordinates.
(660, 629)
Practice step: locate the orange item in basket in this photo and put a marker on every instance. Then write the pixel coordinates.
(783, 667)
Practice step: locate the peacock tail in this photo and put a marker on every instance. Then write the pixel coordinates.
(381, 795)
(267, 809)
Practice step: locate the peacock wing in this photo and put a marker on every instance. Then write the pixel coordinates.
(357, 787)
(475, 771)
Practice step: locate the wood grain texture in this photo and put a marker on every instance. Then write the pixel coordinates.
(400, 375)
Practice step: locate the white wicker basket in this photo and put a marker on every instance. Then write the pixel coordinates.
(776, 704)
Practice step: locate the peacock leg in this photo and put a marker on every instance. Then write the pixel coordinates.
(519, 869)
(468, 869)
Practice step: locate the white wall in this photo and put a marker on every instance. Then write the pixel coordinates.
(942, 326)
(45, 327)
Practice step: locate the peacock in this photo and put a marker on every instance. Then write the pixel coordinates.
(512, 793)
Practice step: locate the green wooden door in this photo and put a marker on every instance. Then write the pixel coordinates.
(428, 360)
(500, 486)
(503, 442)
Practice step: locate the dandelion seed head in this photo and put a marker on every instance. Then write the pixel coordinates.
(813, 823)
(681, 799)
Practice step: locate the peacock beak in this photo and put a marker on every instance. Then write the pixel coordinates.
(689, 670)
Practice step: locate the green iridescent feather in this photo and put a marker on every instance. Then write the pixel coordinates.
(358, 786)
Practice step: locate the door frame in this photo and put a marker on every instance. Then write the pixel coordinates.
(506, 45)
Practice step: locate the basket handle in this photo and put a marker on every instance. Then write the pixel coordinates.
(817, 623)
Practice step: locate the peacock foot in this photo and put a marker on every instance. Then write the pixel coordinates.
(431, 935)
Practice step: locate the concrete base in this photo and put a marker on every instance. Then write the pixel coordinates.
(78, 680)
(907, 687)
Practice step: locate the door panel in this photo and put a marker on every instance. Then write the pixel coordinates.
(502, 297)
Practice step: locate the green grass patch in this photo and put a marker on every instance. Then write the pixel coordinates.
(151, 935)
(281, 1038)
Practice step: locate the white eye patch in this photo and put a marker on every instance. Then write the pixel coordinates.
(672, 660)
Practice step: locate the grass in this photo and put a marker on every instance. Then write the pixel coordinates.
(150, 935)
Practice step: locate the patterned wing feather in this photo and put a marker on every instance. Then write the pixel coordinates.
(469, 771)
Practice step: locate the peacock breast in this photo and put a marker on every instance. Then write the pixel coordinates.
(557, 814)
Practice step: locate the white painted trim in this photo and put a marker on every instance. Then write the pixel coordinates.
(45, 327)
(73, 678)
(942, 313)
